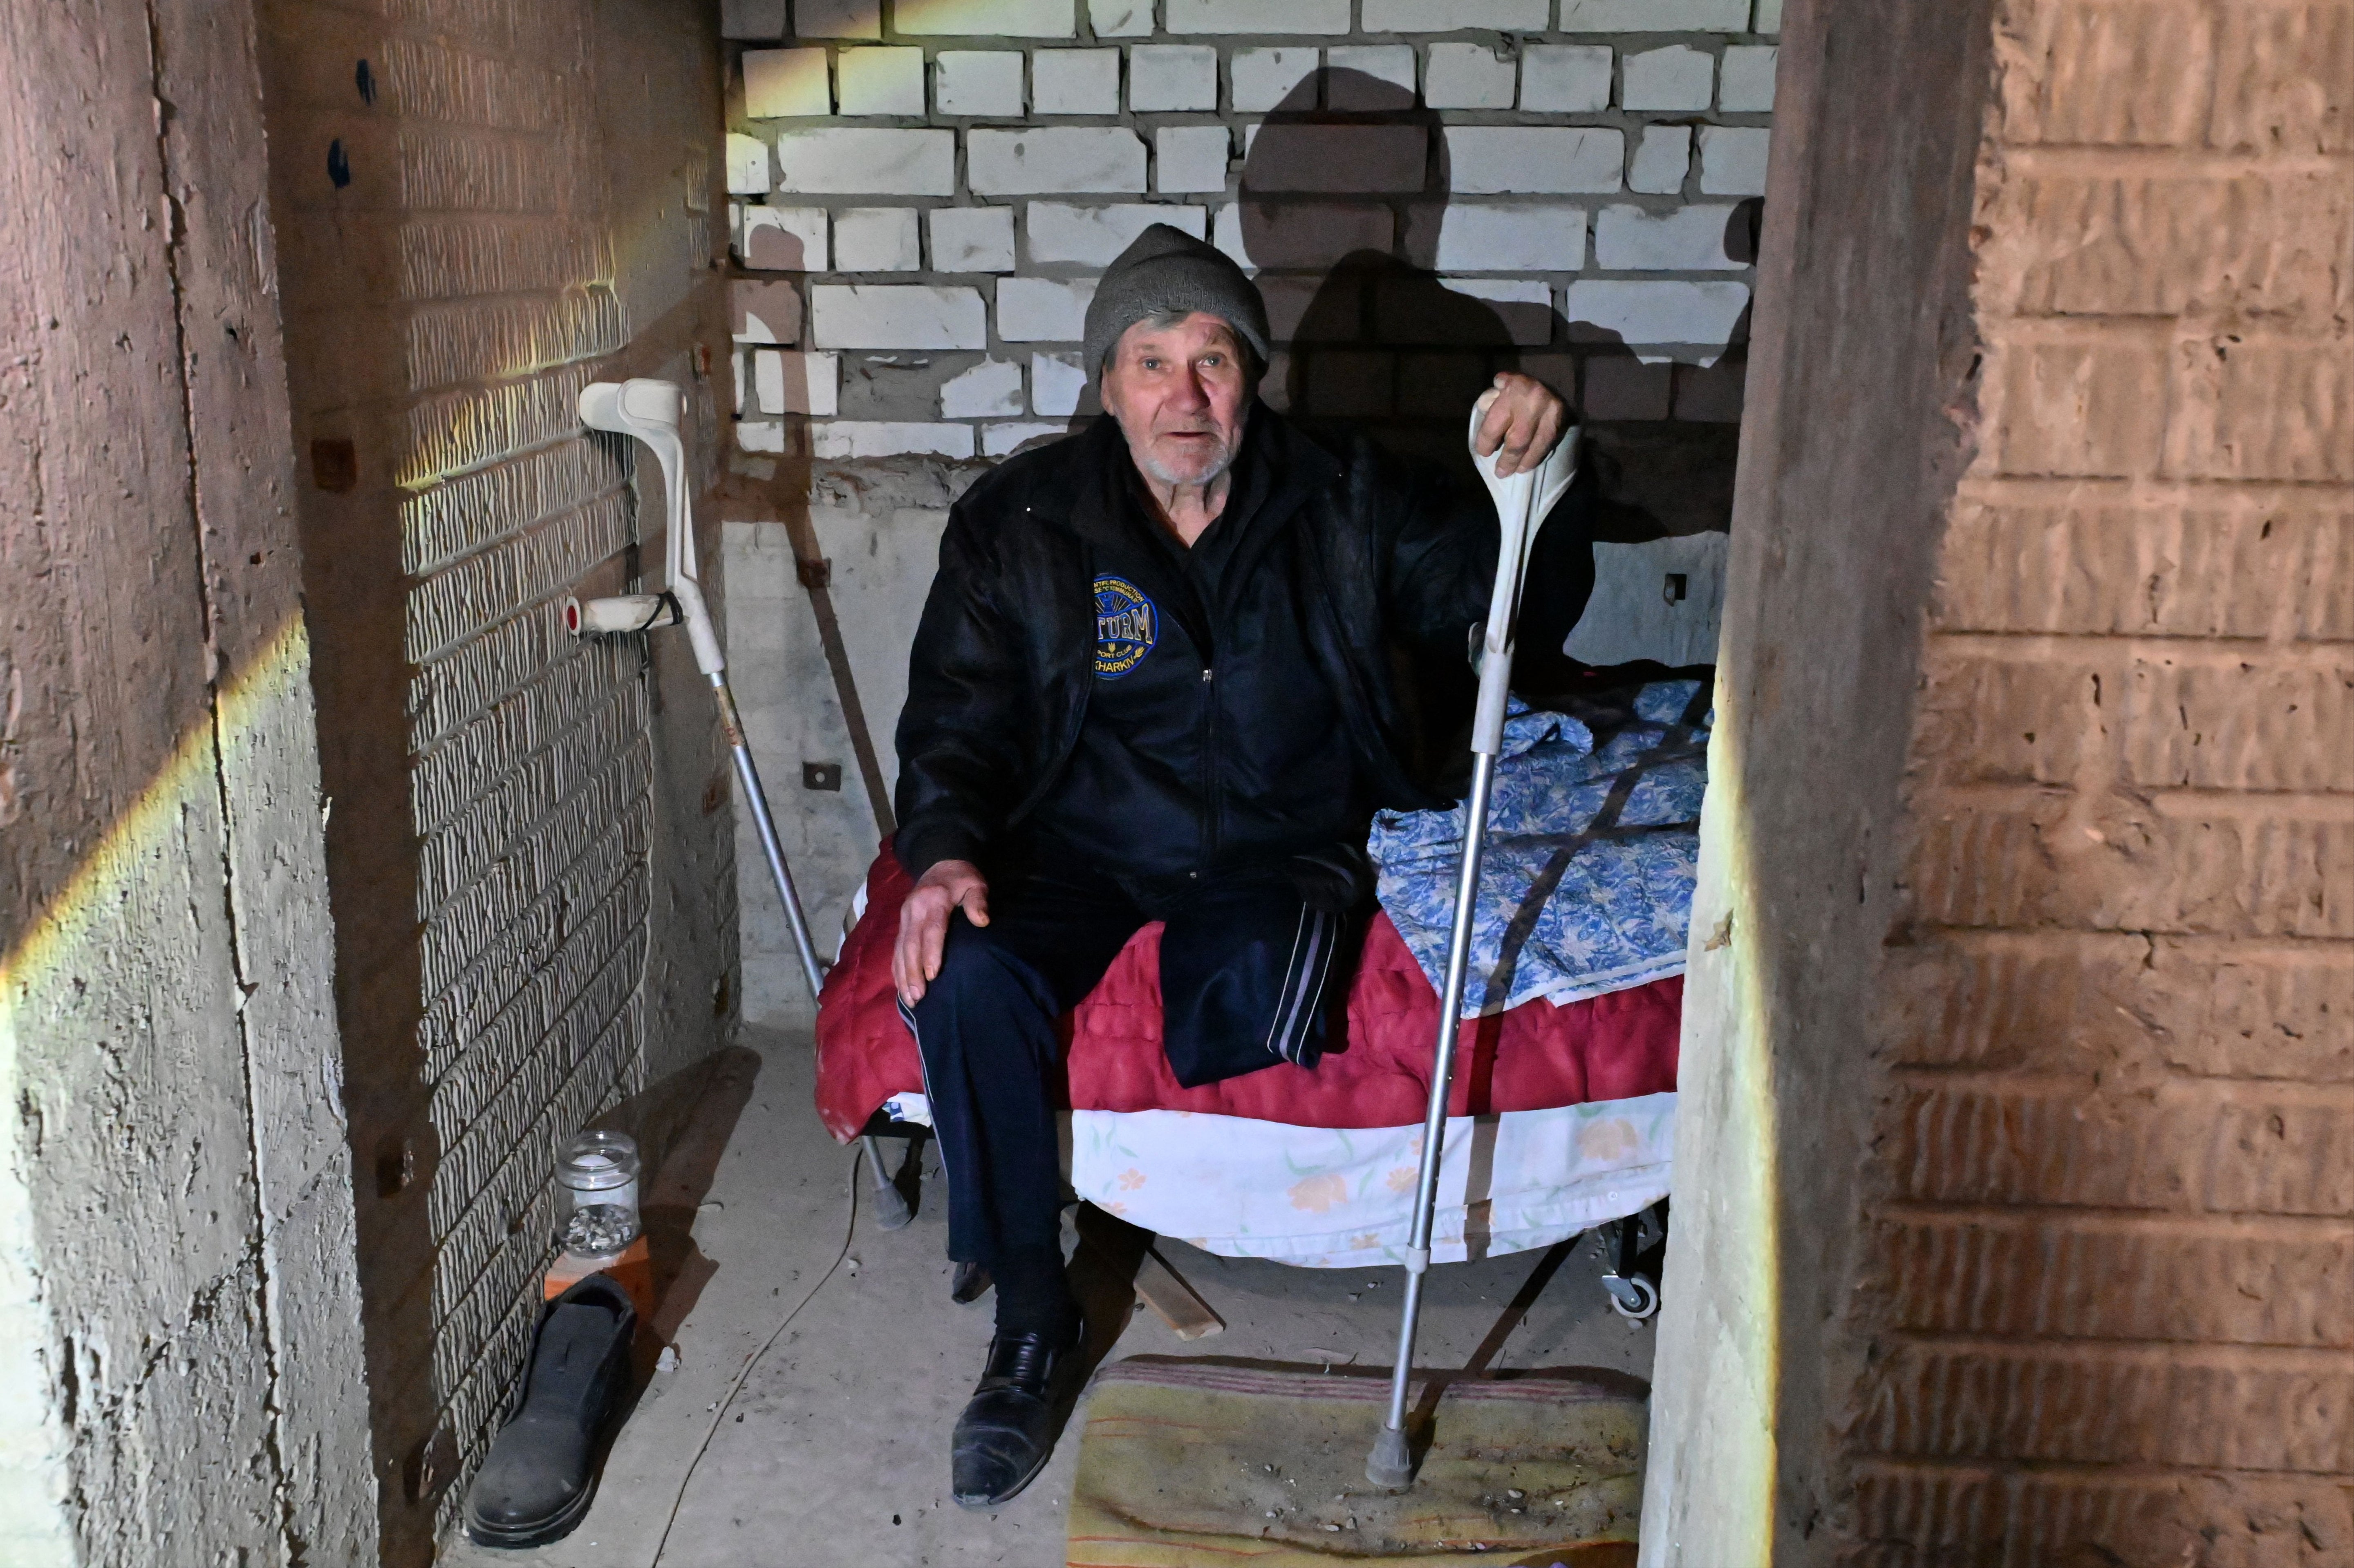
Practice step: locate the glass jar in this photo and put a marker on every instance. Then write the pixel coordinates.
(598, 1172)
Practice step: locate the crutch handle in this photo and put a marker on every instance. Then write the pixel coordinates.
(1523, 501)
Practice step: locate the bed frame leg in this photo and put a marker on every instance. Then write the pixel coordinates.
(1160, 1287)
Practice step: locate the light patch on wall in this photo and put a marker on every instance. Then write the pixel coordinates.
(1723, 1314)
(64, 985)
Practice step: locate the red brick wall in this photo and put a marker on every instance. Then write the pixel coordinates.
(2016, 1161)
(2113, 1272)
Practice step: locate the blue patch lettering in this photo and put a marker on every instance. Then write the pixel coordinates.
(1128, 624)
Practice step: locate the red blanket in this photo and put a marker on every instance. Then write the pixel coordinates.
(1376, 1075)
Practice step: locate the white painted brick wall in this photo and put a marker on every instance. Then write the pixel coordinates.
(1265, 77)
(972, 239)
(1057, 384)
(1391, 63)
(1191, 159)
(1675, 78)
(897, 316)
(1511, 236)
(1094, 236)
(1121, 18)
(991, 390)
(980, 82)
(1662, 159)
(1565, 79)
(867, 162)
(1256, 15)
(783, 238)
(1074, 81)
(1004, 439)
(747, 166)
(1456, 15)
(784, 83)
(1745, 79)
(880, 82)
(1467, 76)
(878, 239)
(1499, 159)
(838, 18)
(1041, 310)
(1172, 76)
(1732, 159)
(1592, 151)
(1659, 313)
(839, 439)
(987, 18)
(1681, 240)
(785, 382)
(1654, 16)
(1050, 160)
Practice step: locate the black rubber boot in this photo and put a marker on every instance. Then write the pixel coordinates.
(1008, 1429)
(540, 1474)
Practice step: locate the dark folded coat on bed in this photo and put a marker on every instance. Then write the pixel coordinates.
(1392, 562)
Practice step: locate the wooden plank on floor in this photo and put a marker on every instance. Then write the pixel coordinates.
(1165, 1290)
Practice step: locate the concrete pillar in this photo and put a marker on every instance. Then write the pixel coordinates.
(178, 1299)
(2013, 1196)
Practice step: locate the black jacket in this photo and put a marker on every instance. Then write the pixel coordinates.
(1400, 560)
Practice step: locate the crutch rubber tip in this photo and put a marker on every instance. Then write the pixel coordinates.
(891, 1211)
(1390, 1463)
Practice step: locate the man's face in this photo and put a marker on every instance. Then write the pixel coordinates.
(1180, 393)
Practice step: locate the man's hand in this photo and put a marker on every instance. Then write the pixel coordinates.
(1523, 417)
(924, 923)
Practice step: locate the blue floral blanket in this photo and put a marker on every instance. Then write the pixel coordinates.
(1593, 840)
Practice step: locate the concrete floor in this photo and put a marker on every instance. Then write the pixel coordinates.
(835, 1450)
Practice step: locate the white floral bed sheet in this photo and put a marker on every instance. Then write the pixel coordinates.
(1343, 1197)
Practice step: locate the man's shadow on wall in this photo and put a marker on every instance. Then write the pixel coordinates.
(1344, 210)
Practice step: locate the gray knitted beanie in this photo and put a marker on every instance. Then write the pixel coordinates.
(1168, 271)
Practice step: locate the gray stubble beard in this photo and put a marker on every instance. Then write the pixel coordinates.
(1158, 473)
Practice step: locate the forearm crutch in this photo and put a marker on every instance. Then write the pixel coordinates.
(652, 412)
(1522, 503)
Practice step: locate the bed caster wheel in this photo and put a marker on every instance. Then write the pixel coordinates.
(1632, 1297)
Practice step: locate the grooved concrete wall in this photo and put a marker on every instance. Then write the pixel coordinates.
(180, 1366)
(2016, 1177)
(484, 208)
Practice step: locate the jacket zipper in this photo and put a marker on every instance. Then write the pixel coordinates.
(1213, 797)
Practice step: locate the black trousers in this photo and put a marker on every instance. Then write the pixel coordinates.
(1246, 968)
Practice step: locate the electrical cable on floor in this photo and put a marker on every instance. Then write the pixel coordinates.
(719, 1413)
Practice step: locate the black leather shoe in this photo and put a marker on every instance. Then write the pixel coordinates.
(1008, 1429)
(535, 1484)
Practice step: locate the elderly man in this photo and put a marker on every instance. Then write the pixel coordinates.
(1157, 680)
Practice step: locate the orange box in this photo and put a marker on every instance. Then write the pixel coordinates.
(632, 1269)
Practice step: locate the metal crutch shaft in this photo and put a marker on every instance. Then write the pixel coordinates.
(1520, 507)
(1392, 1463)
(749, 776)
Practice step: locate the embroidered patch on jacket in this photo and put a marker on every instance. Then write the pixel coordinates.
(1126, 626)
